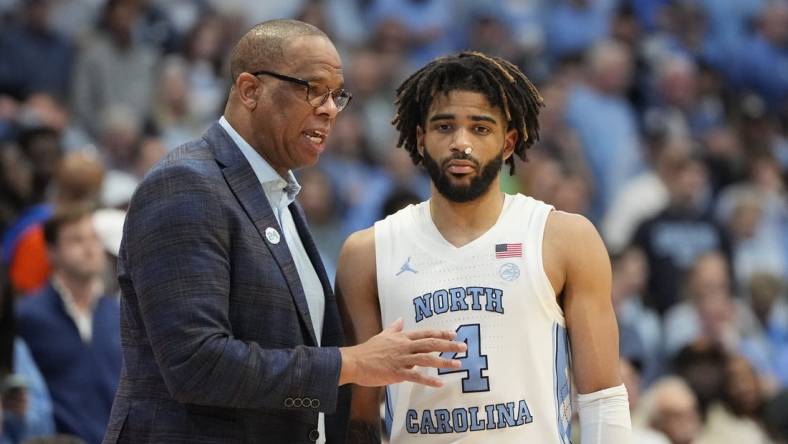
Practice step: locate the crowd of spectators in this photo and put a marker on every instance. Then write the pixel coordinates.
(666, 124)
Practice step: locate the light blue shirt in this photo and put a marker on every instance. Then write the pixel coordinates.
(281, 193)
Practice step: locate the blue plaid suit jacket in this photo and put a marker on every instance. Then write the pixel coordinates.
(218, 345)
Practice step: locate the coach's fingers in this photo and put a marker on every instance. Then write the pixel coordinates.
(430, 360)
(395, 326)
(430, 333)
(419, 378)
(429, 345)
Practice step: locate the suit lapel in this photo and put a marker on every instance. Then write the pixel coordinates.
(249, 192)
(332, 327)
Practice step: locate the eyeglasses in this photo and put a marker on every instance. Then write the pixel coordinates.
(315, 96)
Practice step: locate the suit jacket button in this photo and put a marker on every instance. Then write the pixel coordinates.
(289, 402)
(314, 435)
(315, 403)
(298, 402)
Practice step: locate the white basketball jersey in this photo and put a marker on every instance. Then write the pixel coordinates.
(514, 384)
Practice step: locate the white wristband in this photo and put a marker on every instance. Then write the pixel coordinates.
(604, 416)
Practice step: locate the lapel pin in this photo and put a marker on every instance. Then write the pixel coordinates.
(272, 235)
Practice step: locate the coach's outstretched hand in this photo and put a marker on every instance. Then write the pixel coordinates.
(389, 357)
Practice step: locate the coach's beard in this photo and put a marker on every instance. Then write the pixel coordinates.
(478, 185)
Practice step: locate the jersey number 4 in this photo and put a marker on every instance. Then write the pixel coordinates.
(473, 363)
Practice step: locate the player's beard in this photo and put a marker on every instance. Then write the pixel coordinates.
(479, 184)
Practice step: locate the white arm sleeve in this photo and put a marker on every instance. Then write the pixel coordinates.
(604, 416)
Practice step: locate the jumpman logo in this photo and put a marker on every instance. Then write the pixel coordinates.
(406, 267)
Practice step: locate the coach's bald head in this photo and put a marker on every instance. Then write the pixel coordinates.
(263, 46)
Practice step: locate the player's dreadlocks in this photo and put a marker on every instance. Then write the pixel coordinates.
(502, 83)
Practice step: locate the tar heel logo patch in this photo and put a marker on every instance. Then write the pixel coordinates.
(406, 267)
(509, 272)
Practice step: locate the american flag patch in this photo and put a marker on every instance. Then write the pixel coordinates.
(508, 250)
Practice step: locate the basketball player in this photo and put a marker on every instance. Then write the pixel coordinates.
(515, 279)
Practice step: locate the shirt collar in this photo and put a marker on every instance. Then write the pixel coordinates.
(96, 292)
(272, 182)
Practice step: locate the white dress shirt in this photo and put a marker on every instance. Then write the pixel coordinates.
(280, 194)
(82, 319)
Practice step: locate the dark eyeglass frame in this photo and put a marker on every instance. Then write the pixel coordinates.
(341, 92)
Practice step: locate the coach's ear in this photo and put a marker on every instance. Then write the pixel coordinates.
(420, 141)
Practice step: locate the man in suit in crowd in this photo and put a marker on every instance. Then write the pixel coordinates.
(71, 327)
(230, 330)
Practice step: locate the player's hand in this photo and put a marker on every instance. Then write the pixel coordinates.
(390, 357)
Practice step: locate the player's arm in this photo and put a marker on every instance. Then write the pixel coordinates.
(357, 295)
(576, 247)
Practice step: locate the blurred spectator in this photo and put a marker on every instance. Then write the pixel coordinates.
(556, 171)
(755, 212)
(172, 109)
(79, 179)
(251, 12)
(74, 18)
(630, 272)
(313, 13)
(345, 19)
(72, 329)
(670, 407)
(573, 193)
(42, 110)
(203, 52)
(711, 316)
(42, 147)
(489, 33)
(674, 238)
(606, 122)
(16, 186)
(762, 61)
(397, 200)
(34, 57)
(736, 419)
(120, 132)
(398, 172)
(23, 241)
(113, 69)
(641, 433)
(769, 302)
(150, 151)
(109, 228)
(702, 366)
(682, 29)
(26, 404)
(729, 22)
(678, 103)
(625, 26)
(644, 195)
(725, 155)
(426, 23)
(153, 27)
(369, 132)
(317, 198)
(760, 130)
(574, 26)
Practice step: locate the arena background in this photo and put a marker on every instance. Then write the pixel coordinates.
(666, 123)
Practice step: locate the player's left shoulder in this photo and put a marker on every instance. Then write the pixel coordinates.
(570, 231)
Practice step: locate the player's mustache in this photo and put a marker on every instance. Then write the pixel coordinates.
(459, 156)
